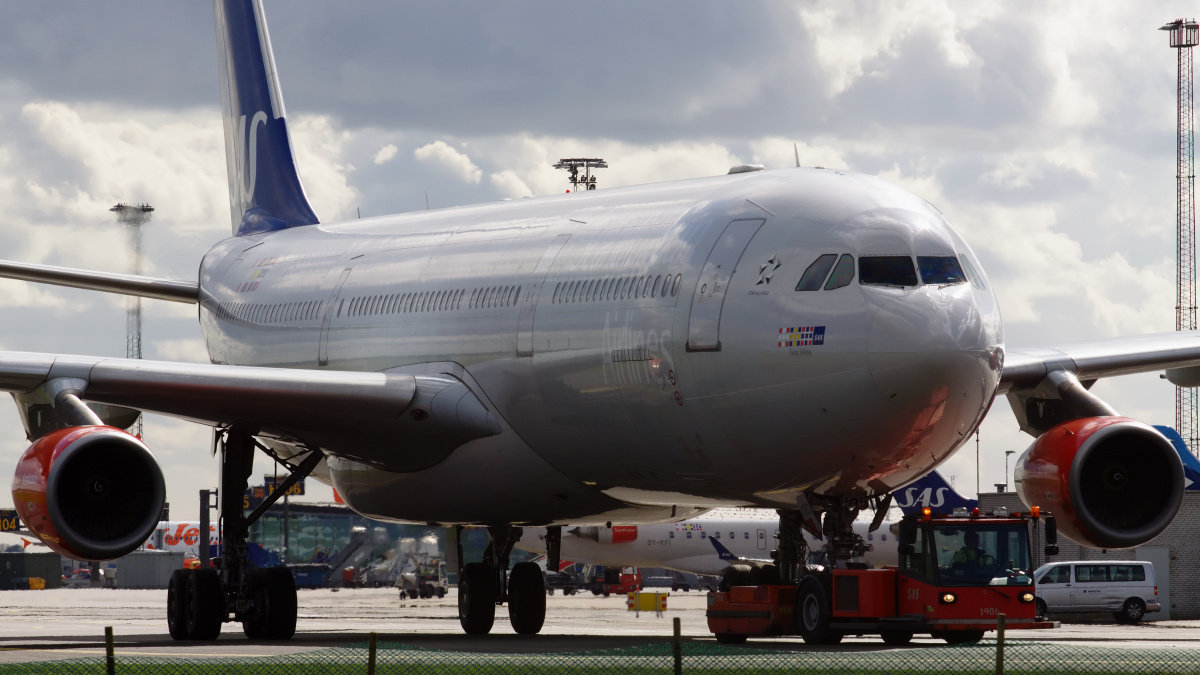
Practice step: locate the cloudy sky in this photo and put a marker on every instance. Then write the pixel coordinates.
(1044, 132)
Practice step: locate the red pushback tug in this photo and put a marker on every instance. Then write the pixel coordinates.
(956, 574)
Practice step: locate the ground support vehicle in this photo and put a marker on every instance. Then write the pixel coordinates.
(568, 580)
(1127, 588)
(621, 581)
(957, 574)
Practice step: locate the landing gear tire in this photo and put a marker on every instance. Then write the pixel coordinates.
(1132, 612)
(1039, 608)
(896, 638)
(813, 617)
(737, 575)
(767, 575)
(177, 604)
(730, 638)
(204, 604)
(476, 599)
(959, 637)
(526, 598)
(274, 618)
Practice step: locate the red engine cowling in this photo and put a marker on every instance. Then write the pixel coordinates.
(90, 493)
(1111, 482)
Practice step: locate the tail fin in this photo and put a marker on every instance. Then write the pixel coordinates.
(265, 192)
(722, 552)
(933, 491)
(1191, 466)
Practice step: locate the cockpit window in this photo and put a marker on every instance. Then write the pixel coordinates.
(940, 270)
(887, 270)
(815, 275)
(976, 280)
(843, 273)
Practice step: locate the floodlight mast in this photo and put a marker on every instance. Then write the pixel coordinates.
(134, 216)
(1185, 34)
(574, 164)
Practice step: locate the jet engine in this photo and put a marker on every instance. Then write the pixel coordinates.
(1111, 482)
(617, 534)
(89, 492)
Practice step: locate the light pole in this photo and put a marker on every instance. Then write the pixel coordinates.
(1007, 454)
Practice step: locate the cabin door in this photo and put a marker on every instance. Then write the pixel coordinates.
(530, 293)
(704, 323)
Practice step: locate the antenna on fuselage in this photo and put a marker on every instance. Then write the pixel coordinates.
(796, 147)
(573, 165)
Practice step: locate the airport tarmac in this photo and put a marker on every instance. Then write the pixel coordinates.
(69, 623)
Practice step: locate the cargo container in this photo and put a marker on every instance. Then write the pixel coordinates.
(47, 566)
(144, 569)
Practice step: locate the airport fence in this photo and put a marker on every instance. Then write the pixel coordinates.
(704, 657)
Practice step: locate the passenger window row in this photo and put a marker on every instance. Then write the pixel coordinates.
(405, 303)
(372, 305)
(253, 312)
(621, 288)
(495, 296)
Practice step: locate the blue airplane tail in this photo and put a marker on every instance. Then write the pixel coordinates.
(933, 491)
(1191, 465)
(265, 192)
(722, 552)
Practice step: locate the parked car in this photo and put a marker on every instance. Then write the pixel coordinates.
(1127, 588)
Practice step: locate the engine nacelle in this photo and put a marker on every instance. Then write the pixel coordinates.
(89, 493)
(617, 534)
(1111, 482)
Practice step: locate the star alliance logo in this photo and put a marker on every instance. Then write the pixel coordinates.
(767, 270)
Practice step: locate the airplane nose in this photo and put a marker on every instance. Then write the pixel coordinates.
(922, 341)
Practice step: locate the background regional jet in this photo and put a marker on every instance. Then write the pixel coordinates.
(803, 340)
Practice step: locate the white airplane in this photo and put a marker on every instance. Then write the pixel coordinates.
(705, 545)
(804, 340)
(726, 536)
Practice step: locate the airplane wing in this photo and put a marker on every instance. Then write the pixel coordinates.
(1177, 353)
(127, 284)
(410, 420)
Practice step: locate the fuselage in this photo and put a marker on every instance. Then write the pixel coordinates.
(696, 545)
(645, 348)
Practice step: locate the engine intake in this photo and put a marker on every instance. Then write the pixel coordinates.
(89, 493)
(1111, 482)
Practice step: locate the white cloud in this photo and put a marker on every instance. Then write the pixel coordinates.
(187, 350)
(386, 154)
(319, 146)
(450, 160)
(509, 185)
(847, 35)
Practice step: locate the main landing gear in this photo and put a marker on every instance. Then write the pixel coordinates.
(484, 585)
(199, 601)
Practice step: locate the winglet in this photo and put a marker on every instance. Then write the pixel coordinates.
(265, 192)
(933, 491)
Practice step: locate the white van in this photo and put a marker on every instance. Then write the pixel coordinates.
(1124, 587)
